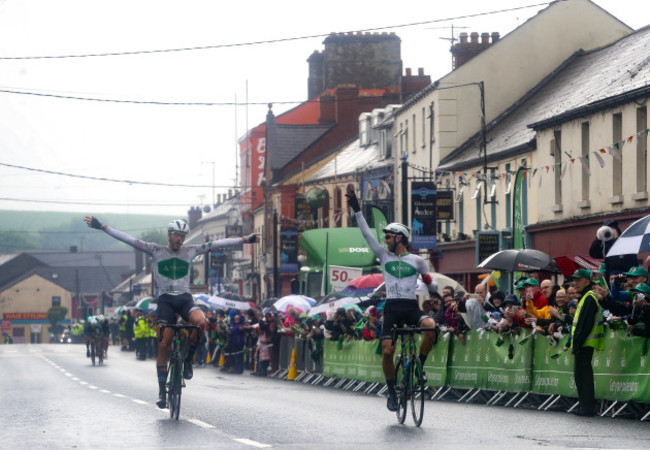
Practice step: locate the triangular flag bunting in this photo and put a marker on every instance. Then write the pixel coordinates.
(601, 161)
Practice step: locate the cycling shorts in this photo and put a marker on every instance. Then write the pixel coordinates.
(169, 305)
(401, 312)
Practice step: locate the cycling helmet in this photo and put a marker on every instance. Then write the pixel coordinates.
(398, 228)
(178, 226)
(100, 318)
(93, 321)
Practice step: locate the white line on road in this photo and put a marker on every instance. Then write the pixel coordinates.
(119, 395)
(68, 374)
(201, 423)
(251, 443)
(83, 382)
(92, 387)
(140, 402)
(75, 379)
(104, 391)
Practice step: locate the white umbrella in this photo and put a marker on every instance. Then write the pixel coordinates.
(336, 304)
(297, 301)
(634, 240)
(225, 303)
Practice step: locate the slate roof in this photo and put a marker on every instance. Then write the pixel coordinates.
(349, 159)
(91, 280)
(291, 140)
(106, 258)
(586, 82)
(14, 265)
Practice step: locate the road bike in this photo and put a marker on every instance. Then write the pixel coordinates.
(177, 354)
(410, 380)
(96, 351)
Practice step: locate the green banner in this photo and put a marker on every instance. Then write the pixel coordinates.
(517, 363)
(517, 214)
(486, 362)
(622, 370)
(553, 368)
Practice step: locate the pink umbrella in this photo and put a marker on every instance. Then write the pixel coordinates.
(367, 281)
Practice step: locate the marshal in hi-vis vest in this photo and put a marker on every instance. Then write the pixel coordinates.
(596, 338)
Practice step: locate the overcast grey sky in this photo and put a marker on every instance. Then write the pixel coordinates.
(143, 139)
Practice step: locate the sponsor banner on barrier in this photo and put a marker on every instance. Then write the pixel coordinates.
(520, 363)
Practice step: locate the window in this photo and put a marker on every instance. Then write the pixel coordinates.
(617, 164)
(424, 127)
(56, 301)
(556, 151)
(414, 133)
(585, 154)
(641, 150)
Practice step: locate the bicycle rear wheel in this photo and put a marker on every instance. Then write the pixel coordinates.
(402, 389)
(418, 390)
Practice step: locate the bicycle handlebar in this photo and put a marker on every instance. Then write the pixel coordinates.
(398, 331)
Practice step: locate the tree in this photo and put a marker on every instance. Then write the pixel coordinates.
(156, 236)
(55, 315)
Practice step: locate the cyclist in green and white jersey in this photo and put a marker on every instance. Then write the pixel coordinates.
(172, 266)
(401, 270)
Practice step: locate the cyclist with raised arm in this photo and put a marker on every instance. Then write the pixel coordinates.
(401, 270)
(172, 267)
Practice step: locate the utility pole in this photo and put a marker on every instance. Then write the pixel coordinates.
(276, 269)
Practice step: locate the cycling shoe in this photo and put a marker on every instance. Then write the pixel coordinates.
(188, 371)
(162, 402)
(392, 404)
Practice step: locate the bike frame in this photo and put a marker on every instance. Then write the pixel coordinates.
(177, 353)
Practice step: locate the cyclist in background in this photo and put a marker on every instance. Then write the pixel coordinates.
(93, 330)
(401, 270)
(105, 328)
(172, 268)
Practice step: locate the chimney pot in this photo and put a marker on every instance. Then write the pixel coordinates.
(420, 71)
(408, 71)
(485, 38)
(474, 37)
(463, 38)
(495, 36)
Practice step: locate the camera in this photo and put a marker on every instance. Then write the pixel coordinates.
(605, 233)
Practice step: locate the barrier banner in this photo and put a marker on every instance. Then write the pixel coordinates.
(436, 364)
(481, 363)
(553, 368)
(621, 371)
(355, 360)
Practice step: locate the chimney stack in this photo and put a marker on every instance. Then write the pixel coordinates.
(465, 50)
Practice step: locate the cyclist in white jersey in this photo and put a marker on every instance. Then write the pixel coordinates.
(401, 270)
(172, 267)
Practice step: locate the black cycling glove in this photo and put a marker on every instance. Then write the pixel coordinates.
(96, 224)
(250, 239)
(353, 201)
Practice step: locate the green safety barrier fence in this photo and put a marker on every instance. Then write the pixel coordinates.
(519, 363)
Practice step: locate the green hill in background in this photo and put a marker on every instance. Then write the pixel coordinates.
(47, 230)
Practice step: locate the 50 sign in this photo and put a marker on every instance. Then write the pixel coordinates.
(340, 276)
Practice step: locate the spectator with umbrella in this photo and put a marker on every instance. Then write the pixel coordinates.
(606, 236)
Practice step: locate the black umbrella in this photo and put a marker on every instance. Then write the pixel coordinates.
(526, 260)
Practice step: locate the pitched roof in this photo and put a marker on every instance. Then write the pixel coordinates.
(14, 265)
(587, 82)
(291, 140)
(349, 159)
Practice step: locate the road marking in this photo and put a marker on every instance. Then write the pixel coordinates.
(104, 391)
(83, 382)
(92, 387)
(139, 402)
(68, 374)
(201, 423)
(75, 379)
(251, 443)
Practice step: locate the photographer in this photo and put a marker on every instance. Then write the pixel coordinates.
(605, 238)
(340, 325)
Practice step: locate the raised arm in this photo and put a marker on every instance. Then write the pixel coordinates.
(229, 242)
(370, 238)
(139, 244)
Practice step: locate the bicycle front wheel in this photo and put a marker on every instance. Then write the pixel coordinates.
(402, 389)
(175, 387)
(418, 390)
